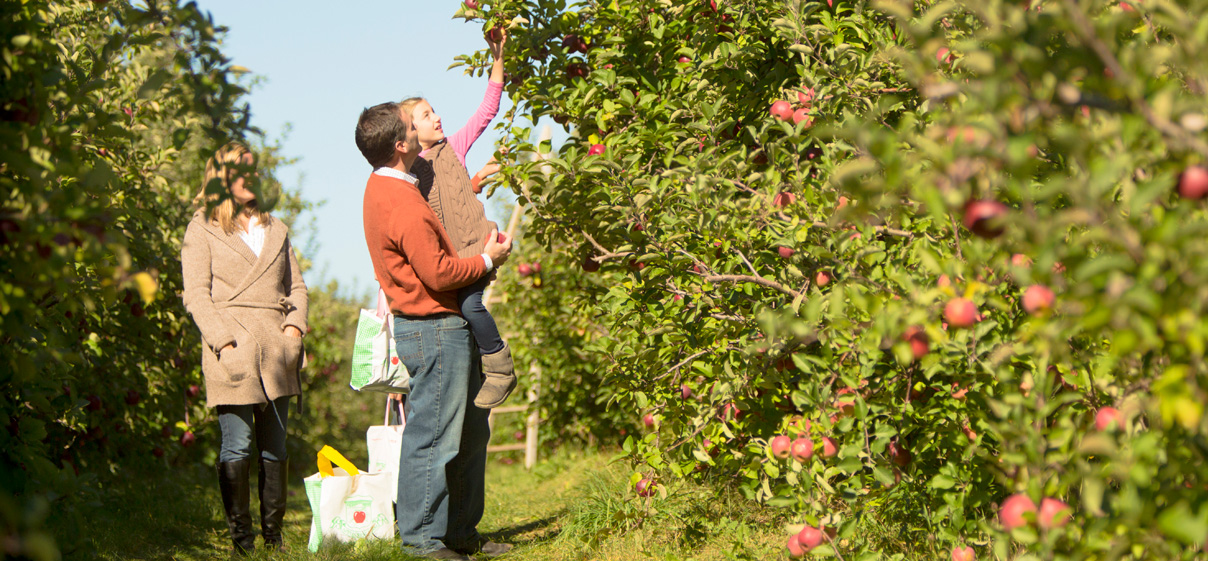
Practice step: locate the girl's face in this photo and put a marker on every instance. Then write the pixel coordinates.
(239, 175)
(427, 125)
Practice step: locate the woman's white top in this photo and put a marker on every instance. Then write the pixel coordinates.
(254, 235)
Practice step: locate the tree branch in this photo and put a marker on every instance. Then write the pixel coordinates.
(769, 283)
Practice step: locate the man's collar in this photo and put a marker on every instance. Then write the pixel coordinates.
(391, 172)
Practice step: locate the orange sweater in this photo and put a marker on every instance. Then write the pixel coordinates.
(413, 258)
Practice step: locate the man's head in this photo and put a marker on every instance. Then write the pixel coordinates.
(385, 136)
(425, 121)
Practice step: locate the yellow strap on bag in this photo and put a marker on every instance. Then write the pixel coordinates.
(328, 455)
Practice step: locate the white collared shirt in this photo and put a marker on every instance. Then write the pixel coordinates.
(254, 235)
(391, 172)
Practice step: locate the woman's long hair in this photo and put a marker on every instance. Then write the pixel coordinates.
(215, 195)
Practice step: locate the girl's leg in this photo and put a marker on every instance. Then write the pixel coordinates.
(469, 299)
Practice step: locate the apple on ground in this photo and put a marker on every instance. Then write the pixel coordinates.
(781, 446)
(1013, 509)
(781, 110)
(960, 312)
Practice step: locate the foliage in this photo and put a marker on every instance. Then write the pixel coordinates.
(108, 113)
(763, 277)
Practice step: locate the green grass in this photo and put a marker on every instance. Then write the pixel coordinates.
(573, 506)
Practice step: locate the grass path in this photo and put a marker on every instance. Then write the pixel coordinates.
(572, 506)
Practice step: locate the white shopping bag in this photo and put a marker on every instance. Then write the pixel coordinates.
(375, 363)
(386, 444)
(347, 505)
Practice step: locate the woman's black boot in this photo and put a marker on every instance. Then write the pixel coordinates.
(272, 501)
(236, 500)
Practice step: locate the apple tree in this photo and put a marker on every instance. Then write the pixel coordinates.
(950, 250)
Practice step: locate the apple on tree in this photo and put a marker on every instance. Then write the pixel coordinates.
(1193, 182)
(1053, 513)
(960, 312)
(802, 449)
(1013, 509)
(780, 446)
(781, 110)
(963, 553)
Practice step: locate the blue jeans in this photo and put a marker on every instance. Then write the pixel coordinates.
(444, 452)
(481, 322)
(269, 421)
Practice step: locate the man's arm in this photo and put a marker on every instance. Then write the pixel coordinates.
(420, 236)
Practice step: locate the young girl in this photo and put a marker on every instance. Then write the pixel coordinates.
(446, 184)
(243, 287)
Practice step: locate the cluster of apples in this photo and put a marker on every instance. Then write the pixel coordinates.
(807, 539)
(784, 111)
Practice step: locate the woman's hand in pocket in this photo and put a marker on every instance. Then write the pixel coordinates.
(293, 331)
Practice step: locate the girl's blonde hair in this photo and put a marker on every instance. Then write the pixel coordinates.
(407, 105)
(215, 195)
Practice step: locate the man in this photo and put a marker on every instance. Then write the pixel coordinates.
(443, 460)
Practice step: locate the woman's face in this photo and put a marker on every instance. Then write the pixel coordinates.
(427, 125)
(239, 174)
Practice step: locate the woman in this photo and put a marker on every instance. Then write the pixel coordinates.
(244, 289)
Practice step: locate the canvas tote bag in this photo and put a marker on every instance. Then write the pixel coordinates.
(347, 505)
(375, 363)
(385, 443)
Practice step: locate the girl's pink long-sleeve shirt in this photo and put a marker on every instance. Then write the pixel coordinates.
(462, 140)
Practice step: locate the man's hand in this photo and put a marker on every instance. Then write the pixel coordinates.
(293, 331)
(496, 250)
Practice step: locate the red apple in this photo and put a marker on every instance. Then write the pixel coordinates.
(821, 279)
(943, 55)
(782, 110)
(685, 392)
(920, 343)
(1037, 299)
(899, 455)
(960, 312)
(590, 265)
(157, 452)
(187, 439)
(576, 70)
(495, 35)
(803, 114)
(133, 397)
(783, 199)
(1020, 260)
(796, 551)
(781, 446)
(501, 237)
(1053, 513)
(536, 265)
(963, 553)
(985, 218)
(519, 435)
(645, 487)
(810, 537)
(785, 252)
(1011, 513)
(471, 4)
(829, 450)
(943, 282)
(94, 403)
(802, 449)
(648, 420)
(684, 59)
(524, 269)
(806, 96)
(1193, 182)
(1108, 418)
(595, 150)
(1126, 6)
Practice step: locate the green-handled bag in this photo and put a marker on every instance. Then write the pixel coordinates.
(375, 363)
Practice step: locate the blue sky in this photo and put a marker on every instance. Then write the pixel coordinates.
(320, 64)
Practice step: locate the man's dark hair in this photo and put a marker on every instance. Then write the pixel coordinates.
(378, 129)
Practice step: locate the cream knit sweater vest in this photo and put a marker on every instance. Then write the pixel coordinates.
(446, 184)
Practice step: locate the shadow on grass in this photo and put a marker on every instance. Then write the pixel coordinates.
(546, 533)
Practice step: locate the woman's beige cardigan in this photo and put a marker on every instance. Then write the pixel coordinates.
(237, 297)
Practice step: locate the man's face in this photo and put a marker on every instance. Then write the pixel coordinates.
(411, 140)
(427, 124)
